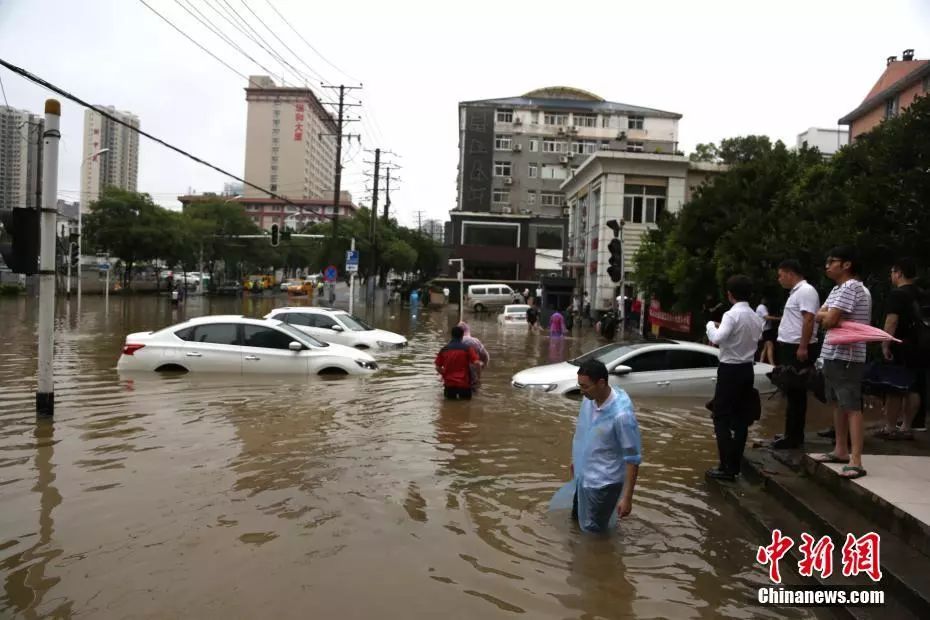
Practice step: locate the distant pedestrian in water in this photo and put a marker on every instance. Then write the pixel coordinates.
(556, 324)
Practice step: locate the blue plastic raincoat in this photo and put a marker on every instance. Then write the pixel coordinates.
(605, 442)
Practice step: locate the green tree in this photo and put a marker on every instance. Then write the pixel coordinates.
(705, 152)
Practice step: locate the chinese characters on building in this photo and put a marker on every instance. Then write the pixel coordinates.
(298, 121)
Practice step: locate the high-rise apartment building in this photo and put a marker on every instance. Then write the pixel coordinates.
(20, 157)
(111, 154)
(290, 144)
(515, 153)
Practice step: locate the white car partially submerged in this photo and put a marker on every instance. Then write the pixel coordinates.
(239, 345)
(338, 327)
(659, 368)
(513, 314)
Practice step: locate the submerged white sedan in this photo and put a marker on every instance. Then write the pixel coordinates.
(239, 345)
(513, 314)
(657, 368)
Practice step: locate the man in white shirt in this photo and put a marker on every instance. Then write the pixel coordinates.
(797, 346)
(738, 337)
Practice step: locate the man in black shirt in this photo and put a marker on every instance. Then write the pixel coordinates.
(900, 322)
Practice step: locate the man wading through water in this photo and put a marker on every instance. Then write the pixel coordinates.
(606, 450)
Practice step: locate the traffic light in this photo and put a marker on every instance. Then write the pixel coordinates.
(20, 246)
(74, 254)
(275, 235)
(615, 271)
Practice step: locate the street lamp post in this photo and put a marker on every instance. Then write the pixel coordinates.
(461, 262)
(80, 234)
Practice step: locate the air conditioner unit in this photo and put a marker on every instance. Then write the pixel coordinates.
(563, 159)
(517, 148)
(561, 130)
(571, 155)
(508, 180)
(621, 135)
(517, 120)
(573, 129)
(526, 211)
(506, 210)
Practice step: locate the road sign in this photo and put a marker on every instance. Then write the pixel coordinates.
(352, 261)
(103, 266)
(330, 273)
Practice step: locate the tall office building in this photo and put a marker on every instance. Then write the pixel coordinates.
(20, 157)
(111, 154)
(290, 143)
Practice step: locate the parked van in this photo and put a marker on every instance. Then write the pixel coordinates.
(479, 297)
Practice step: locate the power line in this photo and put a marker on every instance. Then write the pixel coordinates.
(217, 58)
(307, 43)
(56, 89)
(286, 46)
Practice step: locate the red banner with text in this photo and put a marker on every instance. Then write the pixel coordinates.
(674, 321)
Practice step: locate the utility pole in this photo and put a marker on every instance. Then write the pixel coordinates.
(420, 221)
(340, 121)
(45, 390)
(372, 223)
(387, 196)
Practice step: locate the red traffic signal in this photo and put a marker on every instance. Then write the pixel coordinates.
(615, 270)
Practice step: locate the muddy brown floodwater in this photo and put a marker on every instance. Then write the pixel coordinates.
(209, 497)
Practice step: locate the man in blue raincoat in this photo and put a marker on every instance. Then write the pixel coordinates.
(606, 450)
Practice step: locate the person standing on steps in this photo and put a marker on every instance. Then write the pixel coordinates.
(734, 404)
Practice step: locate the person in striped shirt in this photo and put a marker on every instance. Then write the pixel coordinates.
(844, 364)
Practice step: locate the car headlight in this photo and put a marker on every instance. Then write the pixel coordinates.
(545, 387)
(367, 365)
(390, 345)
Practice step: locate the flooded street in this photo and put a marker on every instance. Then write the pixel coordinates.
(209, 497)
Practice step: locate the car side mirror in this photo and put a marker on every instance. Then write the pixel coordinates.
(337, 328)
(295, 346)
(621, 370)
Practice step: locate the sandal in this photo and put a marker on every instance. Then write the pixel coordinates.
(830, 457)
(851, 472)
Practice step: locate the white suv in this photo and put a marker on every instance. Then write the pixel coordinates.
(337, 326)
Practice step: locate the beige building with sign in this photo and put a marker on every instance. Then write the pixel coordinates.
(290, 142)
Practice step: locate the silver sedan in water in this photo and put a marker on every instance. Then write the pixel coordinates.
(660, 368)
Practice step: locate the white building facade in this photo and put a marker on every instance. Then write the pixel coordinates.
(827, 141)
(20, 157)
(633, 188)
(118, 165)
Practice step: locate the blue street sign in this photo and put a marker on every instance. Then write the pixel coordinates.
(103, 266)
(330, 273)
(352, 260)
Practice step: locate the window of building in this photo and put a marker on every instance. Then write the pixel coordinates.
(926, 84)
(545, 237)
(584, 147)
(503, 143)
(277, 113)
(555, 119)
(551, 145)
(635, 122)
(505, 116)
(276, 122)
(643, 204)
(534, 171)
(554, 171)
(274, 187)
(584, 120)
(274, 178)
(891, 107)
(534, 146)
(634, 147)
(551, 199)
(500, 196)
(605, 121)
(502, 168)
(531, 198)
(275, 131)
(489, 234)
(274, 168)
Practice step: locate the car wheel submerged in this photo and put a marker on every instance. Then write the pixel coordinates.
(479, 307)
(332, 371)
(171, 368)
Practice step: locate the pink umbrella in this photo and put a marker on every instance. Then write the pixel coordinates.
(849, 332)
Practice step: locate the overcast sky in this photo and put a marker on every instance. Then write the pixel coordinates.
(730, 67)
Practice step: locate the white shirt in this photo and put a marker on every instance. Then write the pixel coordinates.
(803, 298)
(763, 312)
(738, 334)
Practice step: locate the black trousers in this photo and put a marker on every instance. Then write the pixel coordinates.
(732, 413)
(457, 393)
(796, 414)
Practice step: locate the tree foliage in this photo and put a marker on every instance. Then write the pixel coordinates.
(775, 203)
